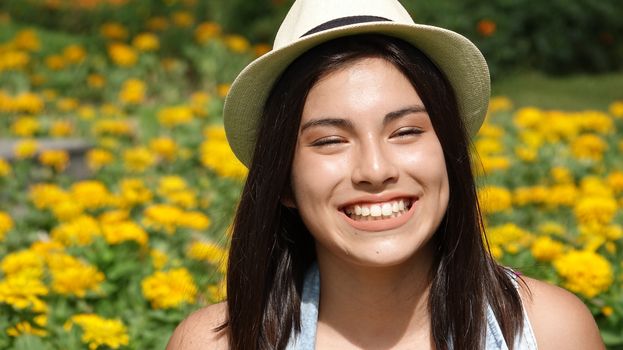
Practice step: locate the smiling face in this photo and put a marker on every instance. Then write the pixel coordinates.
(368, 177)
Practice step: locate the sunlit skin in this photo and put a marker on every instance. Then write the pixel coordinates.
(365, 137)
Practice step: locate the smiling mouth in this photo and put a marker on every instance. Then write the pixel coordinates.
(378, 211)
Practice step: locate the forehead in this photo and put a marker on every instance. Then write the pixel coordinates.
(362, 87)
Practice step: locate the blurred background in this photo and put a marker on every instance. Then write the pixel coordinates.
(117, 185)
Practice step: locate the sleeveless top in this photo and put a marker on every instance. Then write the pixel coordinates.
(306, 339)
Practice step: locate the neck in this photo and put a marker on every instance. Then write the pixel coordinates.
(388, 303)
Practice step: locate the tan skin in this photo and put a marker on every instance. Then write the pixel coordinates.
(376, 273)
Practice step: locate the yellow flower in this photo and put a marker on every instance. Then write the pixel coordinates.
(134, 192)
(616, 109)
(595, 210)
(551, 228)
(132, 91)
(74, 53)
(585, 272)
(168, 185)
(22, 291)
(165, 290)
(561, 175)
(164, 147)
(207, 31)
(486, 146)
(113, 31)
(500, 103)
(119, 232)
(25, 327)
(67, 104)
(96, 81)
(27, 39)
(25, 149)
(138, 159)
(223, 89)
(614, 180)
(46, 196)
(494, 199)
(237, 43)
(25, 126)
(527, 154)
(544, 248)
(92, 194)
(5, 168)
(174, 116)
(57, 159)
(494, 163)
(98, 331)
(589, 147)
(528, 117)
(73, 277)
(510, 237)
(122, 54)
(607, 311)
(490, 131)
(61, 128)
(199, 103)
(6, 224)
(562, 195)
(114, 127)
(216, 154)
(210, 252)
(162, 217)
(13, 60)
(183, 19)
(67, 210)
(86, 112)
(24, 262)
(146, 42)
(194, 220)
(530, 195)
(97, 158)
(79, 231)
(593, 186)
(55, 62)
(595, 121)
(158, 258)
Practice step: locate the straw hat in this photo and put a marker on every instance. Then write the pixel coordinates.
(312, 22)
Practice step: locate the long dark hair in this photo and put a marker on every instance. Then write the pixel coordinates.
(271, 248)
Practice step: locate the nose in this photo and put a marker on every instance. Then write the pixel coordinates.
(374, 166)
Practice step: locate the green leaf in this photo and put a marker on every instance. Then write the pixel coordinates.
(30, 342)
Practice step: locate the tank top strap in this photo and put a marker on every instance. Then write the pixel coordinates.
(306, 338)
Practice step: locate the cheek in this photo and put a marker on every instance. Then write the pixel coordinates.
(315, 176)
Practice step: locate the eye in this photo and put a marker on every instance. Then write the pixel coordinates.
(327, 141)
(406, 132)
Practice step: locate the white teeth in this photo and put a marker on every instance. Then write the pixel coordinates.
(357, 209)
(365, 211)
(387, 209)
(378, 211)
(375, 210)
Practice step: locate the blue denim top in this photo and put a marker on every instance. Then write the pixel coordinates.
(306, 339)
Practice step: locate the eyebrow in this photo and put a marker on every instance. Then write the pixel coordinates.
(347, 124)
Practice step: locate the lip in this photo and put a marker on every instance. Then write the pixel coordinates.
(384, 224)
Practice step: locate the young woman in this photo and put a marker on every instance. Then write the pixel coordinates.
(358, 227)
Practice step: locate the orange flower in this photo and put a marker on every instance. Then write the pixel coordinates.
(486, 27)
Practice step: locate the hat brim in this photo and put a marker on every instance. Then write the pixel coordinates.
(458, 58)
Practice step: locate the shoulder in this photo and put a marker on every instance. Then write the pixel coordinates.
(197, 330)
(559, 319)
